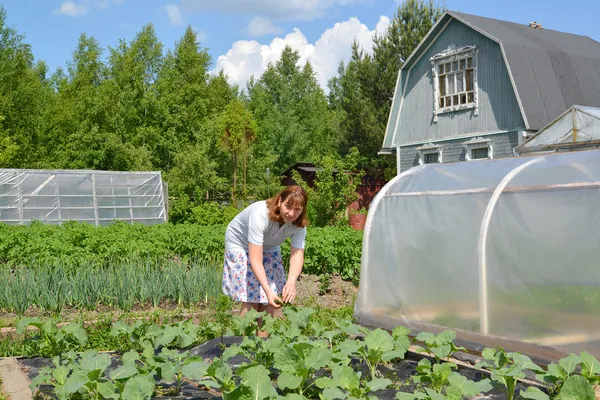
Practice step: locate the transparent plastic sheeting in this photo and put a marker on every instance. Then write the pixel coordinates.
(506, 248)
(97, 197)
(576, 125)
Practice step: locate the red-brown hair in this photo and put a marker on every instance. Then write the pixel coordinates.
(296, 197)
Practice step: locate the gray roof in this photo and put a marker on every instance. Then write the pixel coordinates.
(551, 70)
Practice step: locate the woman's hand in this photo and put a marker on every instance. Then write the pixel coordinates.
(273, 299)
(289, 292)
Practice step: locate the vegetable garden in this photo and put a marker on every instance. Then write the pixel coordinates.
(303, 357)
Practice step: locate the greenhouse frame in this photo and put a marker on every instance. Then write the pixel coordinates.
(96, 197)
(504, 252)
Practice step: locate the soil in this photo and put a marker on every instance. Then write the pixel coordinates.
(339, 293)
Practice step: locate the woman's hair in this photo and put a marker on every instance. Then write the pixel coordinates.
(293, 195)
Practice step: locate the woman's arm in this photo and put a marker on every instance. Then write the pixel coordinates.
(256, 263)
(296, 264)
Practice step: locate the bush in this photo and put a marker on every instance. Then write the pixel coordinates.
(328, 250)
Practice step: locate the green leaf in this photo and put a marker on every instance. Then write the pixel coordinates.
(195, 370)
(442, 351)
(287, 360)
(525, 362)
(62, 393)
(434, 395)
(346, 378)
(469, 388)
(138, 388)
(533, 393)
(325, 383)
(489, 353)
(577, 388)
(569, 363)
(557, 371)
(445, 337)
(378, 383)
(405, 396)
(167, 371)
(61, 374)
(97, 362)
(220, 371)
(108, 390)
(123, 372)
(120, 327)
(427, 337)
(130, 356)
(77, 331)
(288, 381)
(590, 366)
(76, 382)
(168, 335)
(400, 331)
(295, 396)
(333, 393)
(258, 381)
(318, 358)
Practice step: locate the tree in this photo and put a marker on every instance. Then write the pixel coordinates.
(238, 132)
(362, 92)
(292, 111)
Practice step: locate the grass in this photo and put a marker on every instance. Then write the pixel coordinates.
(2, 395)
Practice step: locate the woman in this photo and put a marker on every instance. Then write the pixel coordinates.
(253, 271)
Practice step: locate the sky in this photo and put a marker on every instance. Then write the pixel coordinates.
(244, 36)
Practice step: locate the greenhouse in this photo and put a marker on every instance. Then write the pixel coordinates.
(96, 197)
(505, 252)
(576, 128)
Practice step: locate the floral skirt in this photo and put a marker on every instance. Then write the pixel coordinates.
(240, 283)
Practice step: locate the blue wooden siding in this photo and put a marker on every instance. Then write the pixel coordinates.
(498, 107)
(454, 151)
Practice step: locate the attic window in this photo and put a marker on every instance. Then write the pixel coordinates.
(479, 148)
(430, 154)
(455, 80)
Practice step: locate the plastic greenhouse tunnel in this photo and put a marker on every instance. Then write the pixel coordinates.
(505, 252)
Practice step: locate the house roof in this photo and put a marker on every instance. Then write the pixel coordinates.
(550, 70)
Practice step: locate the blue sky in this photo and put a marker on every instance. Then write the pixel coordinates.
(242, 36)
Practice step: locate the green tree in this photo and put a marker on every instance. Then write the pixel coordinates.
(292, 112)
(23, 96)
(238, 129)
(362, 92)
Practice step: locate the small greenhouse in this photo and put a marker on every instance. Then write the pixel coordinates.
(576, 128)
(97, 197)
(506, 252)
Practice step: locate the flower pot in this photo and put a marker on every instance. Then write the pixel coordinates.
(357, 221)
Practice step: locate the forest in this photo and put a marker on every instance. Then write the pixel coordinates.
(143, 106)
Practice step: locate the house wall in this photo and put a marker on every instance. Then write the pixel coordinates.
(454, 151)
(498, 107)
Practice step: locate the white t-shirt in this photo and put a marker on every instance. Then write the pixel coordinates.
(253, 225)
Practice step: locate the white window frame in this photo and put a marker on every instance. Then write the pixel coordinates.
(479, 143)
(430, 148)
(447, 59)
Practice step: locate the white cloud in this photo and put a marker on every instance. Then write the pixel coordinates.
(79, 9)
(249, 57)
(288, 10)
(174, 14)
(260, 26)
(72, 9)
